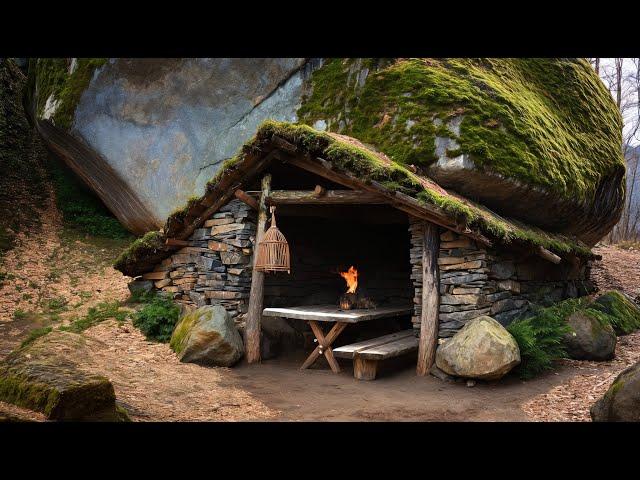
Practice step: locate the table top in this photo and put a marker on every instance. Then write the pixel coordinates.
(332, 313)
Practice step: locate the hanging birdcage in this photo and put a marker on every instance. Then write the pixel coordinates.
(273, 250)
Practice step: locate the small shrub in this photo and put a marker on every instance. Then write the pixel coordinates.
(539, 337)
(35, 334)
(157, 318)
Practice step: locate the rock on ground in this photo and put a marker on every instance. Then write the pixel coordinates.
(621, 403)
(207, 336)
(48, 376)
(589, 338)
(482, 349)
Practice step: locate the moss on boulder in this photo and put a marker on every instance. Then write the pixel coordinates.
(621, 403)
(207, 336)
(59, 84)
(145, 251)
(548, 122)
(617, 310)
(48, 375)
(544, 130)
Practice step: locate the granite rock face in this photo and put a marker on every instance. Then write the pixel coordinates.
(482, 349)
(156, 130)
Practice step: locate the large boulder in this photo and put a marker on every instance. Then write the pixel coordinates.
(589, 338)
(621, 403)
(207, 336)
(482, 349)
(147, 134)
(49, 375)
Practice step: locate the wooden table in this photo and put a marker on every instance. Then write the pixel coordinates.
(332, 313)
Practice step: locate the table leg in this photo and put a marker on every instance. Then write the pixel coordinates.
(324, 345)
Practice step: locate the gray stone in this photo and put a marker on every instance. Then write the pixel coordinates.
(502, 270)
(482, 349)
(234, 258)
(207, 336)
(621, 403)
(197, 298)
(589, 339)
(465, 315)
(138, 287)
(505, 318)
(464, 279)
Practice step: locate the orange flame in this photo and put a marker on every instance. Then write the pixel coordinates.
(351, 277)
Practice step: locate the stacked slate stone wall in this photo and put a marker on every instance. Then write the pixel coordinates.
(476, 281)
(216, 266)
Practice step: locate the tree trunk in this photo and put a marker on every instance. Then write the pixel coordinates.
(430, 299)
(256, 297)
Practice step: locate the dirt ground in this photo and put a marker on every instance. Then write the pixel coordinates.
(47, 265)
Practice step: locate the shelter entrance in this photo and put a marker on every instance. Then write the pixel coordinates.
(329, 246)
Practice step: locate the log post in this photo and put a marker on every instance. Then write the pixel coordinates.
(430, 299)
(256, 296)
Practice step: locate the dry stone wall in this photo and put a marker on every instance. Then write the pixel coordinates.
(476, 281)
(216, 266)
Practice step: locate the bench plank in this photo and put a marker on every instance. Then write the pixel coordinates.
(390, 350)
(348, 351)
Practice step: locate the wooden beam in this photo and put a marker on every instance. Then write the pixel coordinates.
(246, 198)
(256, 296)
(330, 197)
(430, 299)
(425, 212)
(548, 255)
(175, 242)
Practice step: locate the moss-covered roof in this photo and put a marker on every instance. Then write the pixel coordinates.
(548, 123)
(367, 166)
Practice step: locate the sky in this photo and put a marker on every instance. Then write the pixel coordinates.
(630, 115)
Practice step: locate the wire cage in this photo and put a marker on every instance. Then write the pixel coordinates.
(273, 250)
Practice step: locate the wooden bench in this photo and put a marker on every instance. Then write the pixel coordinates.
(368, 353)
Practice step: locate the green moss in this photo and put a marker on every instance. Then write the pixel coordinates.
(177, 343)
(615, 309)
(52, 78)
(617, 385)
(20, 390)
(35, 334)
(548, 122)
(149, 242)
(101, 312)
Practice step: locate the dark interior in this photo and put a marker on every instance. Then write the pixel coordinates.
(326, 239)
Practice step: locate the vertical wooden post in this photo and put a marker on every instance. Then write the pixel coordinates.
(256, 296)
(430, 299)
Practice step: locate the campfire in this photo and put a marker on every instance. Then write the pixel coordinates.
(351, 298)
